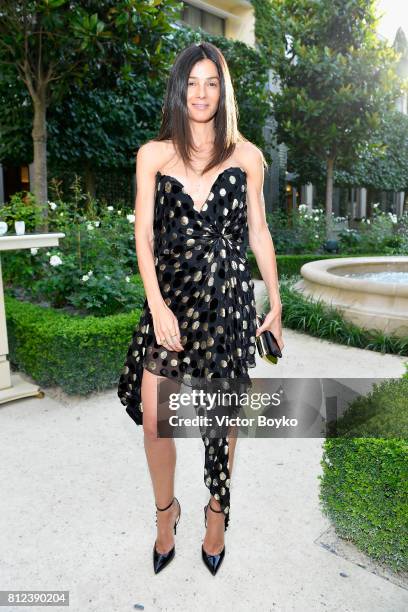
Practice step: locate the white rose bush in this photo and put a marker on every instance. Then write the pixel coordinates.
(93, 269)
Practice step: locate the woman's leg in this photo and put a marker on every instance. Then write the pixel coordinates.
(214, 537)
(161, 459)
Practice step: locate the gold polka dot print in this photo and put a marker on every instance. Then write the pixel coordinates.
(204, 277)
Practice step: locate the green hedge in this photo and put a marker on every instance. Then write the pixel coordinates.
(364, 484)
(288, 265)
(79, 354)
(383, 413)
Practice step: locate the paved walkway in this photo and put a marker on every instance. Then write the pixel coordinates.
(78, 511)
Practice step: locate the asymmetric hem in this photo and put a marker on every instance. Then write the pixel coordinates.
(204, 278)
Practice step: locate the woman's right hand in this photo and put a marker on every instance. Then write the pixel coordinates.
(166, 328)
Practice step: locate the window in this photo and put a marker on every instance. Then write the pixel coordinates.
(199, 18)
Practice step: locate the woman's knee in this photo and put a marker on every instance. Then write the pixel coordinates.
(150, 428)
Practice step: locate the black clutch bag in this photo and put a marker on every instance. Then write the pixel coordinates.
(267, 346)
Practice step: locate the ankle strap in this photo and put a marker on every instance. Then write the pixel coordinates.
(161, 509)
(209, 503)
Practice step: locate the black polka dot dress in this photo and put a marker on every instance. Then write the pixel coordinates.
(204, 278)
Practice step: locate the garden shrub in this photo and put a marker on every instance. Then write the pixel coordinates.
(79, 354)
(383, 233)
(91, 270)
(364, 483)
(288, 265)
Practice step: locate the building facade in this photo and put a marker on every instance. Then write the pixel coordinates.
(230, 18)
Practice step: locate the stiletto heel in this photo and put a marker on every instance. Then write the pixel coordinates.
(160, 560)
(212, 562)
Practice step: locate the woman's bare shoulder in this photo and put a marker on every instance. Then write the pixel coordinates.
(247, 148)
(249, 154)
(152, 153)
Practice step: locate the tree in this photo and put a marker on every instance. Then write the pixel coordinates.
(101, 129)
(387, 168)
(51, 44)
(336, 79)
(98, 128)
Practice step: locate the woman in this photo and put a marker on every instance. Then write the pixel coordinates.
(199, 192)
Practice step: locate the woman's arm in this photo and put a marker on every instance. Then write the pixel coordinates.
(164, 321)
(260, 239)
(144, 216)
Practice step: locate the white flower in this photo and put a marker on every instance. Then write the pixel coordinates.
(127, 279)
(130, 218)
(85, 277)
(52, 205)
(61, 213)
(119, 212)
(376, 205)
(48, 253)
(90, 273)
(316, 235)
(96, 223)
(368, 221)
(302, 207)
(34, 251)
(110, 207)
(89, 226)
(55, 261)
(107, 277)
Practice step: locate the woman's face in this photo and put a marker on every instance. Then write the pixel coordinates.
(203, 91)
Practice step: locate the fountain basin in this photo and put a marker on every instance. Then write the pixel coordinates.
(370, 303)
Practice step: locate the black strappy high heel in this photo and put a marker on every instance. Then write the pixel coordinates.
(212, 562)
(160, 560)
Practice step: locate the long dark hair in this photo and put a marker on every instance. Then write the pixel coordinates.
(175, 125)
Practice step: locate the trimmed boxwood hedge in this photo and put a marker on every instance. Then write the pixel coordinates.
(79, 354)
(364, 484)
(288, 265)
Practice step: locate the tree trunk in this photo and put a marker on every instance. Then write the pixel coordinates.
(39, 134)
(90, 186)
(329, 196)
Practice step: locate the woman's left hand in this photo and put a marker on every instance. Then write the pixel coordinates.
(274, 324)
